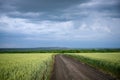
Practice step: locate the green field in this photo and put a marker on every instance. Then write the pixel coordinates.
(38, 66)
(109, 62)
(25, 66)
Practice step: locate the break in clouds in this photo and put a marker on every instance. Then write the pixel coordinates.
(59, 20)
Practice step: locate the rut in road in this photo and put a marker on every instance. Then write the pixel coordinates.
(66, 68)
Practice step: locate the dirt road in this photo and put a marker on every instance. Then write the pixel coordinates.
(66, 68)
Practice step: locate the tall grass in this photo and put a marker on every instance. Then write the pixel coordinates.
(108, 62)
(25, 66)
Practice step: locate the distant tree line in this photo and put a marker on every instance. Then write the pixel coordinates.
(58, 50)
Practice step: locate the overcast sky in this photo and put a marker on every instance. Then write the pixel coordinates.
(60, 23)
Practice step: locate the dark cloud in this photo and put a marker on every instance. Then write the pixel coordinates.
(58, 10)
(7, 6)
(51, 9)
(46, 5)
(110, 8)
(24, 21)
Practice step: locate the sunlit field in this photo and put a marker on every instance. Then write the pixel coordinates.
(109, 57)
(25, 66)
(38, 66)
(109, 62)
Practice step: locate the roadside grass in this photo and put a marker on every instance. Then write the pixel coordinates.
(107, 62)
(25, 66)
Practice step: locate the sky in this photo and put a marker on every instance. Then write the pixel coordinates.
(60, 23)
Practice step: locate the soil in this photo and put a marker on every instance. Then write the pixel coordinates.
(66, 68)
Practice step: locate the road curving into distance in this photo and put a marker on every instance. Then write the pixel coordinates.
(66, 68)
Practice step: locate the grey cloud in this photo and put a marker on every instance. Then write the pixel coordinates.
(59, 10)
(104, 8)
(45, 5)
(49, 8)
(6, 6)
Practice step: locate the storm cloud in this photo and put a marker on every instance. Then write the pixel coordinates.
(70, 21)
